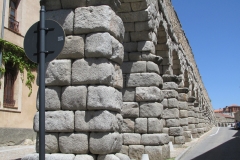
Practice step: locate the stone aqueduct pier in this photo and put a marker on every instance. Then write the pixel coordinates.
(125, 84)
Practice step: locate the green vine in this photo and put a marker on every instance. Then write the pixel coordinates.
(16, 55)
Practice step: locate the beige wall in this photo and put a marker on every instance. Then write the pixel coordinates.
(27, 15)
(24, 117)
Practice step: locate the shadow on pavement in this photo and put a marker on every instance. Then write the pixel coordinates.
(229, 150)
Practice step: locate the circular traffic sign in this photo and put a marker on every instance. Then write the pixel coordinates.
(54, 41)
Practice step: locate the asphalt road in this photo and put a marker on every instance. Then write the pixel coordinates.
(222, 143)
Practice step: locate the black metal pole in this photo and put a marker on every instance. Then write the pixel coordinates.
(42, 84)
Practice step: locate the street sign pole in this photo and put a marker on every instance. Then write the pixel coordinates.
(42, 83)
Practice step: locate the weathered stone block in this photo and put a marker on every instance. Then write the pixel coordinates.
(122, 156)
(131, 138)
(191, 126)
(98, 45)
(130, 47)
(102, 97)
(155, 125)
(53, 5)
(143, 80)
(137, 6)
(183, 114)
(154, 139)
(136, 151)
(191, 114)
(130, 109)
(128, 125)
(73, 143)
(165, 103)
(179, 140)
(102, 72)
(144, 26)
(141, 36)
(147, 56)
(73, 4)
(136, 16)
(58, 73)
(66, 22)
(182, 97)
(108, 157)
(152, 67)
(85, 157)
(125, 7)
(128, 94)
(56, 121)
(175, 131)
(134, 67)
(135, 56)
(141, 125)
(105, 143)
(114, 4)
(51, 143)
(191, 120)
(103, 45)
(153, 110)
(194, 131)
(172, 103)
(126, 39)
(146, 46)
(74, 98)
(183, 121)
(169, 85)
(166, 151)
(182, 105)
(73, 48)
(170, 113)
(52, 98)
(124, 149)
(154, 152)
(165, 130)
(149, 94)
(172, 123)
(96, 121)
(98, 19)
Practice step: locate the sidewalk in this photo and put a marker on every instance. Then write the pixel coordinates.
(17, 152)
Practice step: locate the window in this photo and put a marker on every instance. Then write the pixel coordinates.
(13, 24)
(9, 83)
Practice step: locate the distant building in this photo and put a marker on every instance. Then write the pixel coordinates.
(231, 109)
(228, 110)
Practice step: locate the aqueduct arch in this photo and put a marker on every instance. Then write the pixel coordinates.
(123, 92)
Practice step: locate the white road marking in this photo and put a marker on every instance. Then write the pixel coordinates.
(215, 133)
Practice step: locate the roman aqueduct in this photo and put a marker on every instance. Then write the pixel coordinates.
(126, 82)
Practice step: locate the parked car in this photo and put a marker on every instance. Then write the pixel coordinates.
(237, 125)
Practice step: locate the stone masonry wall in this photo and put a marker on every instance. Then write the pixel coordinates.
(123, 85)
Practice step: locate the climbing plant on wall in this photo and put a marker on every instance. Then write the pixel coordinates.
(16, 55)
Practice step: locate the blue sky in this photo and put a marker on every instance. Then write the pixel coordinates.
(213, 31)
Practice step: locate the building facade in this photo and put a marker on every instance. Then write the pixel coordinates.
(16, 107)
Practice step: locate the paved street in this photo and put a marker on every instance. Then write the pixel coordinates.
(222, 143)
